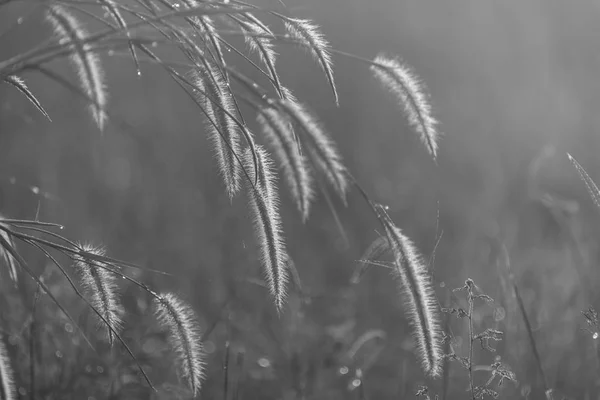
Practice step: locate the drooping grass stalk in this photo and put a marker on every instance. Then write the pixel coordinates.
(321, 150)
(589, 183)
(114, 11)
(8, 259)
(264, 204)
(422, 307)
(87, 64)
(280, 136)
(226, 140)
(406, 86)
(307, 32)
(22, 87)
(7, 384)
(99, 285)
(184, 337)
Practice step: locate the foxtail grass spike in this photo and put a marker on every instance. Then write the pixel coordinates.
(422, 307)
(224, 132)
(263, 46)
(22, 87)
(7, 384)
(9, 260)
(184, 337)
(589, 183)
(279, 134)
(100, 288)
(87, 64)
(309, 35)
(264, 204)
(406, 86)
(321, 150)
(114, 11)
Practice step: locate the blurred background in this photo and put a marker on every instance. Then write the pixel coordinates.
(515, 85)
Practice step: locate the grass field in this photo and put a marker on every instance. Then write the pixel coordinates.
(310, 200)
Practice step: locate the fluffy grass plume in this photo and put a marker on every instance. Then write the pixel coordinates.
(71, 34)
(9, 260)
(406, 86)
(589, 183)
(263, 46)
(322, 151)
(223, 131)
(419, 297)
(22, 87)
(308, 34)
(184, 337)
(278, 132)
(7, 384)
(100, 288)
(264, 204)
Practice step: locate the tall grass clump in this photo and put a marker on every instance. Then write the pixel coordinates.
(194, 44)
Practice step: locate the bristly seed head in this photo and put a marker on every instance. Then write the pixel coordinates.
(406, 86)
(7, 384)
(264, 204)
(419, 297)
(72, 35)
(279, 134)
(100, 288)
(184, 337)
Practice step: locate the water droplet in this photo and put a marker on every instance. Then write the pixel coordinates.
(343, 370)
(442, 284)
(263, 362)
(58, 354)
(69, 327)
(176, 5)
(595, 335)
(154, 44)
(111, 53)
(356, 383)
(22, 391)
(88, 368)
(20, 20)
(139, 73)
(99, 369)
(35, 189)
